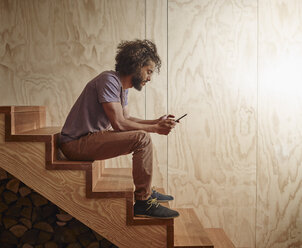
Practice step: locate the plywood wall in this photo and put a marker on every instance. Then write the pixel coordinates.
(156, 90)
(212, 77)
(279, 180)
(232, 65)
(51, 49)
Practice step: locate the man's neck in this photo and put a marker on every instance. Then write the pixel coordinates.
(126, 81)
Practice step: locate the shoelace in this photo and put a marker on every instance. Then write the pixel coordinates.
(152, 202)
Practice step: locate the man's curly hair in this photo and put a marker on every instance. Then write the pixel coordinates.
(133, 55)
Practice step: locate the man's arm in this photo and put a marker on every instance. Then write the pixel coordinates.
(119, 122)
(127, 116)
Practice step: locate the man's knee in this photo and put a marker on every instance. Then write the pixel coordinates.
(144, 138)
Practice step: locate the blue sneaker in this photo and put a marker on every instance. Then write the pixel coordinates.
(160, 197)
(152, 209)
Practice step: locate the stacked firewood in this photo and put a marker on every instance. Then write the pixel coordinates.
(29, 220)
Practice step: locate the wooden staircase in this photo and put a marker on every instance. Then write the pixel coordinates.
(29, 152)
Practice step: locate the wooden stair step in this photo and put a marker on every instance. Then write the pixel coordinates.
(42, 131)
(189, 232)
(43, 134)
(219, 238)
(153, 221)
(23, 118)
(115, 180)
(47, 134)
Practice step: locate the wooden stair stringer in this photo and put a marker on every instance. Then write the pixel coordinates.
(67, 189)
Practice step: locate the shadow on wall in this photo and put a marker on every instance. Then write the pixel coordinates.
(29, 220)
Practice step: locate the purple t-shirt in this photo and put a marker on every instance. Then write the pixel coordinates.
(87, 114)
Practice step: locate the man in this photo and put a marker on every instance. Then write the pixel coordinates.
(103, 104)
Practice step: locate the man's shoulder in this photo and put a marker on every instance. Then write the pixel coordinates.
(108, 76)
(107, 82)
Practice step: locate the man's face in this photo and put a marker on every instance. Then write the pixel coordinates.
(141, 77)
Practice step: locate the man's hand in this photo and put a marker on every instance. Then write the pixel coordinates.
(164, 126)
(164, 117)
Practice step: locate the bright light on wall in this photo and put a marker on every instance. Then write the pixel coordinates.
(282, 78)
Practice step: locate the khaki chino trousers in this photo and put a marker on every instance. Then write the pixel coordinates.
(109, 144)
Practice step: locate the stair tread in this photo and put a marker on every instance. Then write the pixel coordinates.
(115, 180)
(71, 162)
(9, 109)
(188, 231)
(219, 238)
(42, 131)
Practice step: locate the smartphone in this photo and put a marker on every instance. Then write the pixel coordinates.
(181, 117)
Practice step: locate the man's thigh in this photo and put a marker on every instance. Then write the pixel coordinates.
(104, 145)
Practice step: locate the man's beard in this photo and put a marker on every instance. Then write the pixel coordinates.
(137, 81)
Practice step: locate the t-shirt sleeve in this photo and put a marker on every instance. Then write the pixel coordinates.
(126, 97)
(108, 89)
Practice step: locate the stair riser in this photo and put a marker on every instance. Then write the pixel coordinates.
(97, 171)
(25, 121)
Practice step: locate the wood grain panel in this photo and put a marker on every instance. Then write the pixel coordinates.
(279, 198)
(26, 161)
(156, 90)
(212, 76)
(53, 48)
(50, 49)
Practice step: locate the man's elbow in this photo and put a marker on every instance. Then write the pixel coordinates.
(118, 126)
